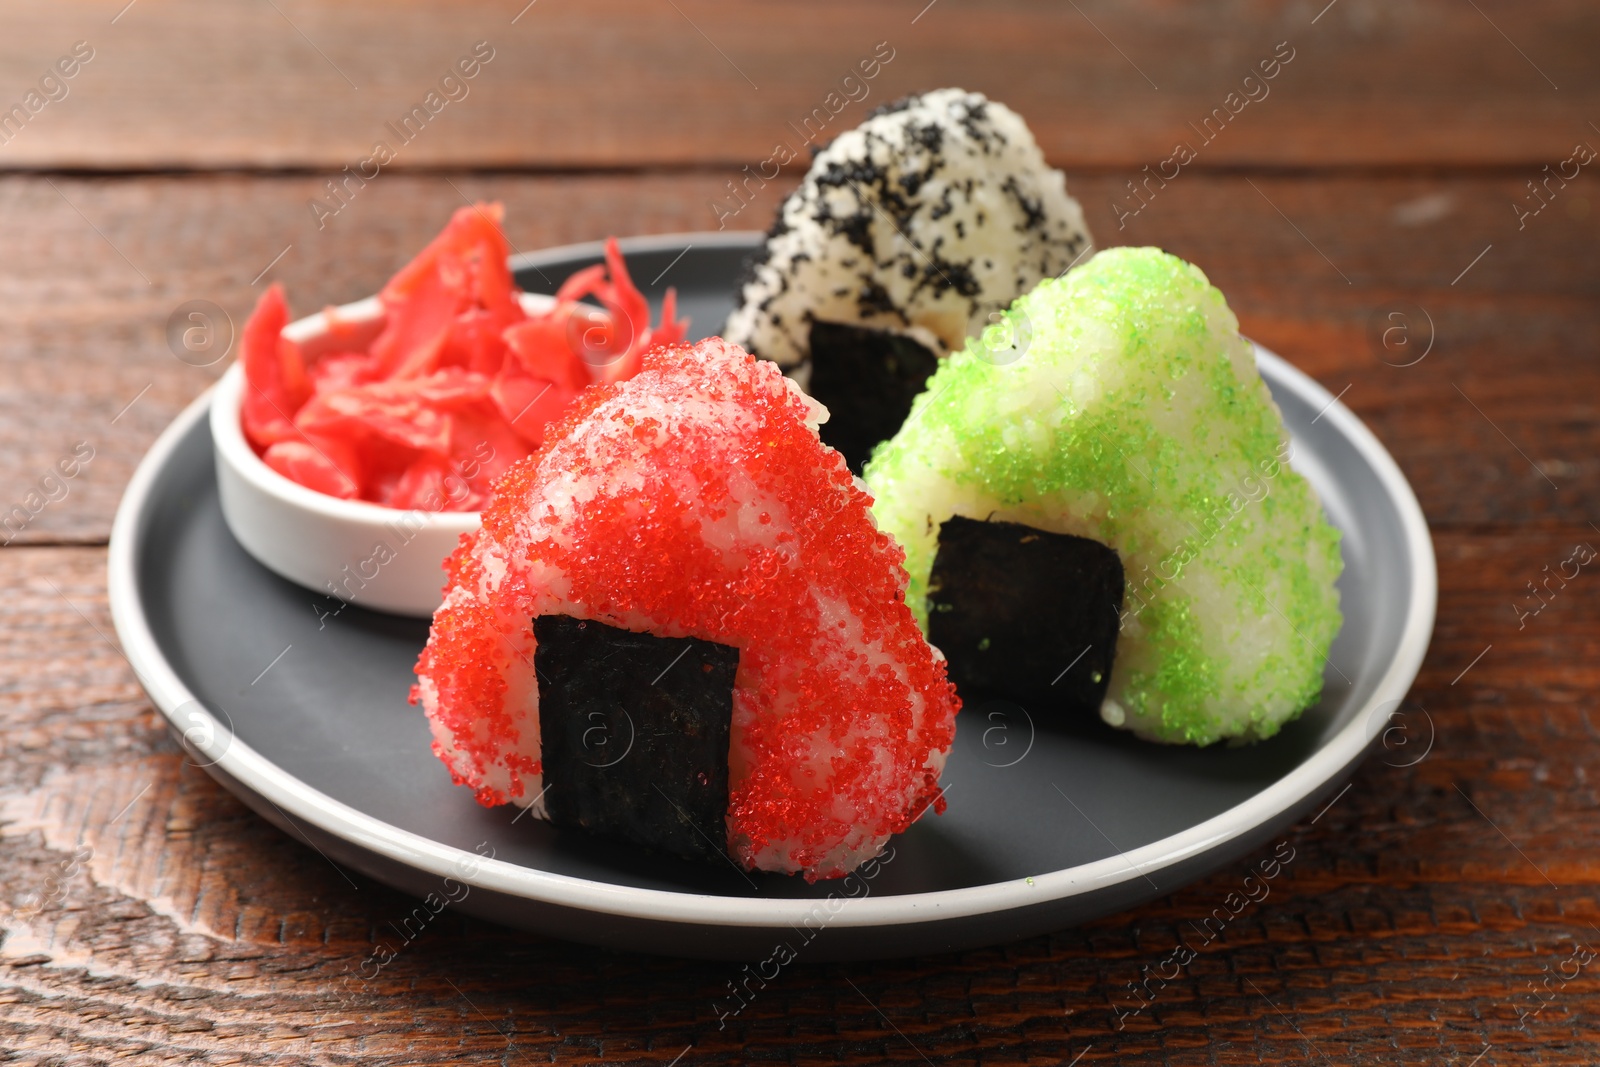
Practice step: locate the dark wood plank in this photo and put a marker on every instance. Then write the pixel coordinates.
(626, 83)
(1371, 199)
(98, 266)
(1406, 927)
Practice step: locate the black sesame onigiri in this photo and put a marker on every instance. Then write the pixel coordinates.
(927, 219)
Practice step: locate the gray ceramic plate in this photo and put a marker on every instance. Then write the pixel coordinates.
(305, 718)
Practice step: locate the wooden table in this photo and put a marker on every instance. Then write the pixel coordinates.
(1369, 215)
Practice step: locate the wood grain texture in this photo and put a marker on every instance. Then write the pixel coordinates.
(1359, 216)
(626, 83)
(1405, 928)
(83, 325)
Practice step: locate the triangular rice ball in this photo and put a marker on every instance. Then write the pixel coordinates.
(696, 500)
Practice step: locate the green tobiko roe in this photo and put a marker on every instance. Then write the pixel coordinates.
(1120, 403)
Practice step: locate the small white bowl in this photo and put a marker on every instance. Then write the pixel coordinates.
(377, 557)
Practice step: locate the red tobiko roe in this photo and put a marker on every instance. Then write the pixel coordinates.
(696, 500)
(459, 384)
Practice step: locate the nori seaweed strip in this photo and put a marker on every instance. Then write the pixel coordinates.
(1025, 614)
(634, 733)
(867, 379)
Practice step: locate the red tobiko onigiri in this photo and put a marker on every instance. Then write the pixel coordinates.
(694, 500)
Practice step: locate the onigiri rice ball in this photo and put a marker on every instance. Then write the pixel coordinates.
(695, 500)
(1136, 417)
(927, 219)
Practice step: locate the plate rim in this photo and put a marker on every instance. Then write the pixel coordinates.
(640, 245)
(236, 762)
